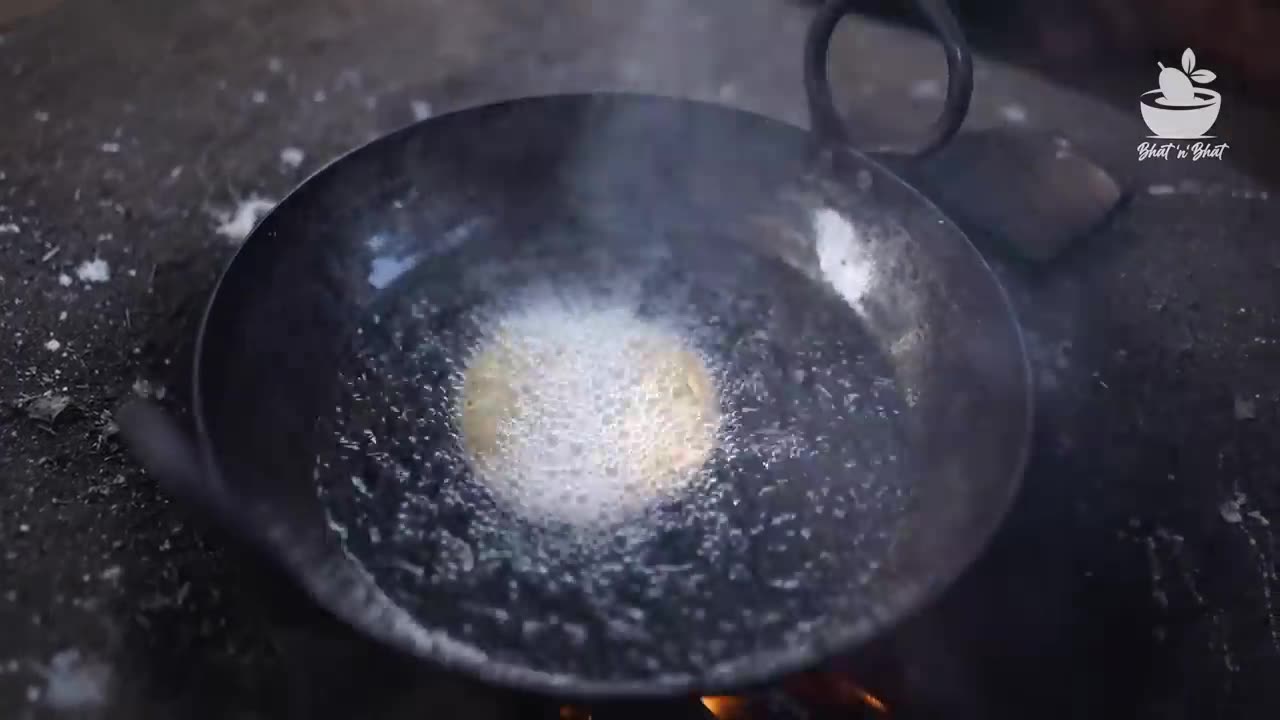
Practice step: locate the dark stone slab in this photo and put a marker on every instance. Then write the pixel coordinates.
(1136, 577)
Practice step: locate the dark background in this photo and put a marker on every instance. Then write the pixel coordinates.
(1097, 45)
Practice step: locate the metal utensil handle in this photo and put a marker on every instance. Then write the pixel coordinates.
(826, 120)
(172, 459)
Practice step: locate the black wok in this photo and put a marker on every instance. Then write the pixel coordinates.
(879, 401)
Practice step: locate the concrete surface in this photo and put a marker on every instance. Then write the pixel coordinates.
(1137, 576)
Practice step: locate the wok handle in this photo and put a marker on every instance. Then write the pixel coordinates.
(826, 120)
(168, 454)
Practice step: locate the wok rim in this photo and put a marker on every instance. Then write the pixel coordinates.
(746, 671)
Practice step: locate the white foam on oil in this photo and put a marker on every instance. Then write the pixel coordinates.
(579, 411)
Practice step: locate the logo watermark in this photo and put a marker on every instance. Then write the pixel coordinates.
(1180, 113)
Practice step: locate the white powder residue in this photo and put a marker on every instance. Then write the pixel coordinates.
(1013, 113)
(53, 345)
(109, 147)
(842, 256)
(64, 280)
(421, 109)
(237, 224)
(9, 228)
(146, 389)
(74, 683)
(1230, 510)
(359, 484)
(926, 90)
(292, 156)
(1190, 186)
(95, 270)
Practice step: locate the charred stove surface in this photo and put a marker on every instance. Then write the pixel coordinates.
(1135, 578)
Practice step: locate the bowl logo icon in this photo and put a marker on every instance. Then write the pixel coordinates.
(1180, 109)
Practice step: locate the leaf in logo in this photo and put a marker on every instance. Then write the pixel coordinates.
(1188, 61)
(1203, 76)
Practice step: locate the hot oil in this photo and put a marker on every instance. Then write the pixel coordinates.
(575, 410)
(769, 535)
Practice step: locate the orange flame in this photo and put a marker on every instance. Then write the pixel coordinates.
(724, 707)
(833, 690)
(849, 691)
(872, 701)
(731, 707)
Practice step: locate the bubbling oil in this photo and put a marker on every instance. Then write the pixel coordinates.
(587, 441)
(582, 412)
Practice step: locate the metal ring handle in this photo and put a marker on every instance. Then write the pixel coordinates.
(826, 120)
